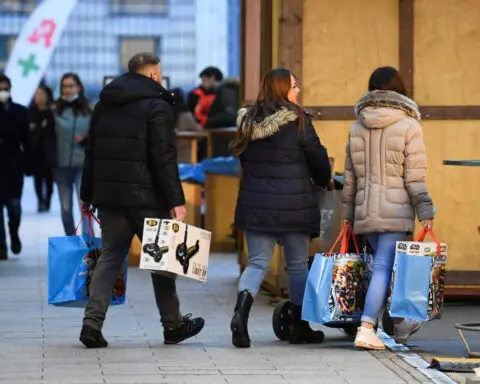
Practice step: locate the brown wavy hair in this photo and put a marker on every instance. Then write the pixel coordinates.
(273, 96)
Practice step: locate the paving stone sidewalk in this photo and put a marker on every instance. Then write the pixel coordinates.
(38, 343)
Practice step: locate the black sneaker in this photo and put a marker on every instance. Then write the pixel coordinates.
(92, 338)
(189, 328)
(16, 245)
(3, 252)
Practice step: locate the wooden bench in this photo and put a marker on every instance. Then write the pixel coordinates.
(187, 145)
(218, 132)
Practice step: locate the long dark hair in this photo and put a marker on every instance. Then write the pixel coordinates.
(273, 96)
(48, 93)
(387, 79)
(81, 105)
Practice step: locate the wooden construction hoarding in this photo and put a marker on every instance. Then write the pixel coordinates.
(332, 46)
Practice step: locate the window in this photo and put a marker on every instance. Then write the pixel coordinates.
(6, 46)
(139, 7)
(134, 45)
(17, 6)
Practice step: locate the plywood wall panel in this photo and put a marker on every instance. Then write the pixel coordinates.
(447, 52)
(252, 50)
(455, 189)
(343, 42)
(334, 135)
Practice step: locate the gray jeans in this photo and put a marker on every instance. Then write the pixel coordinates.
(118, 228)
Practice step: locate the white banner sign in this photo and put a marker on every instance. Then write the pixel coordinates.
(34, 47)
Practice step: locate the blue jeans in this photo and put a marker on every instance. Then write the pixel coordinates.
(67, 179)
(383, 245)
(14, 211)
(260, 249)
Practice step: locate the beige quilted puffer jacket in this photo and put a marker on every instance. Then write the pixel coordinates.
(385, 166)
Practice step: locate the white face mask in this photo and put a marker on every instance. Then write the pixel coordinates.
(70, 99)
(4, 96)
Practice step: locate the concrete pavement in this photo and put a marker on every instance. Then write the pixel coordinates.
(441, 339)
(39, 343)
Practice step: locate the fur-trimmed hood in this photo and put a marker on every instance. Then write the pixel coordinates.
(270, 125)
(379, 109)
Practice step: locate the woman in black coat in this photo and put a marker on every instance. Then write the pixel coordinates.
(42, 133)
(282, 163)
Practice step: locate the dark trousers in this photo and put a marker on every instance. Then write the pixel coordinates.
(118, 228)
(14, 210)
(41, 178)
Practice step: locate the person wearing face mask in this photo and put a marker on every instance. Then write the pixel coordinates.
(131, 172)
(15, 162)
(72, 120)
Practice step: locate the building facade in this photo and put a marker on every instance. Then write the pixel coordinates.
(102, 35)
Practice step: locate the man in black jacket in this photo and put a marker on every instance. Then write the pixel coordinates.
(130, 173)
(15, 162)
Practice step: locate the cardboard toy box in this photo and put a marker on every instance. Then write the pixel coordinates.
(175, 247)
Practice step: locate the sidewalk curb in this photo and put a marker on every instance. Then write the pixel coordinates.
(414, 360)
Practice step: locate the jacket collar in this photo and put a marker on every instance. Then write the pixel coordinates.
(388, 99)
(270, 125)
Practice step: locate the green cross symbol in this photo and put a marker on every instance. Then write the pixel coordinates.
(28, 65)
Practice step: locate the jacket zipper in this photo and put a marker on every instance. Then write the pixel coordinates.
(383, 180)
(369, 171)
(72, 143)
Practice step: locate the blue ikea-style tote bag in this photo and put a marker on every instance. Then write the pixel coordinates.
(336, 285)
(418, 279)
(71, 262)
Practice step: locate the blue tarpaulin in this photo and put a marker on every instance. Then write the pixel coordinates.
(219, 165)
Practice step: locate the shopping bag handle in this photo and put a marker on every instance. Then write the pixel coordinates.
(427, 231)
(344, 235)
(346, 243)
(89, 216)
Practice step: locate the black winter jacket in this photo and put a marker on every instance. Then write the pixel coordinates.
(223, 112)
(280, 171)
(15, 150)
(43, 139)
(131, 157)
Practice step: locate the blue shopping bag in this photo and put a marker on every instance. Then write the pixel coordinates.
(337, 284)
(317, 291)
(71, 261)
(418, 279)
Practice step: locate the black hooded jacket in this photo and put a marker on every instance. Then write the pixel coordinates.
(131, 158)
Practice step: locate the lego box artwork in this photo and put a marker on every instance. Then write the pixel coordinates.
(175, 247)
(349, 287)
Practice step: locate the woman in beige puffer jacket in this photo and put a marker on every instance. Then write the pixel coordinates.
(385, 186)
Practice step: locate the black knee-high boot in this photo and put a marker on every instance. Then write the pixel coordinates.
(239, 324)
